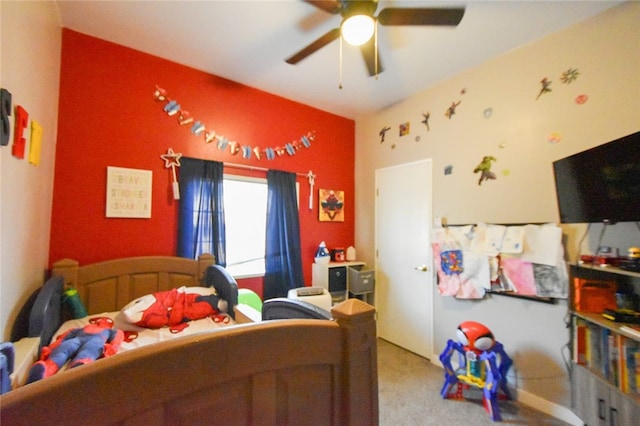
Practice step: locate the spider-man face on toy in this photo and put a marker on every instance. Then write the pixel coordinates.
(475, 336)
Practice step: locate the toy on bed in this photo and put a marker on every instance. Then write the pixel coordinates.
(78, 346)
(172, 308)
(103, 336)
(176, 307)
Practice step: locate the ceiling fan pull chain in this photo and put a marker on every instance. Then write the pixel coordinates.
(340, 64)
(375, 46)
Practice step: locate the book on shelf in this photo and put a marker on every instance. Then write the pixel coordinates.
(580, 342)
(594, 360)
(605, 353)
(630, 359)
(613, 374)
(630, 351)
(636, 370)
(623, 382)
(587, 345)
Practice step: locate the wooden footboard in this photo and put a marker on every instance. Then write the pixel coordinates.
(271, 373)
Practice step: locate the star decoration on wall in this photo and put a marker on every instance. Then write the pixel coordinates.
(171, 159)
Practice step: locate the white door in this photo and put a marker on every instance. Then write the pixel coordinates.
(404, 279)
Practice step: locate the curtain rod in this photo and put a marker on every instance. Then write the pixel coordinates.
(255, 168)
(310, 176)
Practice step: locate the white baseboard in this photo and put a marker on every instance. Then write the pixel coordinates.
(534, 401)
(551, 408)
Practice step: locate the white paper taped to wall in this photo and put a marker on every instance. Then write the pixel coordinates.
(542, 244)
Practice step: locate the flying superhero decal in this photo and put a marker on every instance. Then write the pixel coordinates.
(452, 109)
(484, 168)
(546, 87)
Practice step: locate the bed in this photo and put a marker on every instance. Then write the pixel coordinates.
(283, 371)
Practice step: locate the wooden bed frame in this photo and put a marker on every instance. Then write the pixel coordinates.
(293, 371)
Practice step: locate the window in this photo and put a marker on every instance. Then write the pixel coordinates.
(245, 205)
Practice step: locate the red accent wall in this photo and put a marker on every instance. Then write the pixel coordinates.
(109, 117)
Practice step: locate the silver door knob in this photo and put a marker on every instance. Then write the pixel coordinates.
(422, 268)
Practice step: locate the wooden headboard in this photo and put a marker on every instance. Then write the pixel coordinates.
(108, 286)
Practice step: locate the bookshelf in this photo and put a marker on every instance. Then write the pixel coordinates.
(605, 376)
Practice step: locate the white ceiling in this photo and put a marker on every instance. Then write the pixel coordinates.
(248, 41)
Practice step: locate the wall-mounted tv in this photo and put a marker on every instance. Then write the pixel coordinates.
(601, 184)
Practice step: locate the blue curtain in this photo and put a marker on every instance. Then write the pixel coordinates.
(201, 216)
(283, 260)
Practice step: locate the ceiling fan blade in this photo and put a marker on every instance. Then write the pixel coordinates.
(368, 53)
(333, 7)
(313, 47)
(420, 16)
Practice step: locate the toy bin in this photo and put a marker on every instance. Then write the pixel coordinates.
(360, 282)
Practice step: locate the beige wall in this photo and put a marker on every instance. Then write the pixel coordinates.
(30, 70)
(605, 52)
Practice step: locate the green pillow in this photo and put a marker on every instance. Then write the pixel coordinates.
(249, 297)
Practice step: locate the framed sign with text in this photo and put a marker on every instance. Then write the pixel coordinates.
(128, 193)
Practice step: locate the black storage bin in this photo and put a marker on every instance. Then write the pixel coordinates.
(338, 283)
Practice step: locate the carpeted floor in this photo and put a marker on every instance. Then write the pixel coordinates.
(409, 392)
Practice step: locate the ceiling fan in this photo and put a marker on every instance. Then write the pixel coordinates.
(361, 12)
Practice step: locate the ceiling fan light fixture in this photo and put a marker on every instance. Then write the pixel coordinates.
(357, 29)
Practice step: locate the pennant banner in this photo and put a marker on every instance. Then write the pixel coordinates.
(209, 136)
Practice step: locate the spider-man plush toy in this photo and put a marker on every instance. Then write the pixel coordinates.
(79, 346)
(172, 308)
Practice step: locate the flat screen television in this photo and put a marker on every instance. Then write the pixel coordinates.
(601, 184)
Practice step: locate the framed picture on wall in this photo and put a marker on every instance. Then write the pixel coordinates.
(331, 205)
(128, 193)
